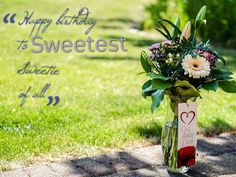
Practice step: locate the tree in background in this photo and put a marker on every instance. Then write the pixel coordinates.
(221, 17)
(164, 9)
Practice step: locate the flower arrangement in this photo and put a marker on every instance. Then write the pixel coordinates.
(179, 68)
(181, 65)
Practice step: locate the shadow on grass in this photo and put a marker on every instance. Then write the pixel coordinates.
(118, 19)
(217, 126)
(149, 131)
(142, 42)
(105, 57)
(126, 21)
(110, 27)
(145, 42)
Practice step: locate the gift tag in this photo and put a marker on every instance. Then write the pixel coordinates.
(187, 133)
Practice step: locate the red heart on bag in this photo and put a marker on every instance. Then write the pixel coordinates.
(187, 117)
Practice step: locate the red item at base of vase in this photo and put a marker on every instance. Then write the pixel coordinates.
(186, 156)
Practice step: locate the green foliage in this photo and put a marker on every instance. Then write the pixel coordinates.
(157, 98)
(186, 90)
(166, 9)
(157, 76)
(200, 17)
(167, 33)
(210, 86)
(220, 17)
(221, 74)
(219, 57)
(165, 64)
(161, 84)
(175, 26)
(221, 20)
(144, 62)
(228, 86)
(164, 67)
(174, 31)
(147, 89)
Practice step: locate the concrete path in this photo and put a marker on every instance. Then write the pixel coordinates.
(216, 157)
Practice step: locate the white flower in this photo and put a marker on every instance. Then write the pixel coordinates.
(196, 67)
(186, 32)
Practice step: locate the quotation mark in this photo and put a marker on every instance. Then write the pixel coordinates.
(12, 20)
(57, 100)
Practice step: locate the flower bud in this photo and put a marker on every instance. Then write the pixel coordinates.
(186, 32)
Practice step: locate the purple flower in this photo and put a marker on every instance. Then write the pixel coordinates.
(154, 47)
(157, 45)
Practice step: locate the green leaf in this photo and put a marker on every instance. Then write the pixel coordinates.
(161, 84)
(157, 76)
(221, 74)
(157, 98)
(220, 57)
(171, 24)
(165, 29)
(150, 62)
(147, 84)
(174, 32)
(163, 34)
(186, 90)
(147, 89)
(228, 86)
(210, 86)
(144, 62)
(200, 16)
(141, 73)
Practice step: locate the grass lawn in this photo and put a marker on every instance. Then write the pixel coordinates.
(101, 106)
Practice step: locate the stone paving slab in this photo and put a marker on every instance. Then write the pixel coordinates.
(137, 173)
(217, 145)
(223, 164)
(216, 157)
(90, 166)
(150, 155)
(14, 173)
(67, 170)
(40, 171)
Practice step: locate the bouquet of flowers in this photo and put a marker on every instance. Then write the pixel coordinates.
(179, 68)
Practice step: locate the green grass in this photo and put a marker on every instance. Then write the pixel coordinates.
(101, 106)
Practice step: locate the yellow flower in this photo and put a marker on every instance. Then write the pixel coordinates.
(196, 67)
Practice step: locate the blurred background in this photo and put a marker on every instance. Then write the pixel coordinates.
(221, 17)
(101, 107)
